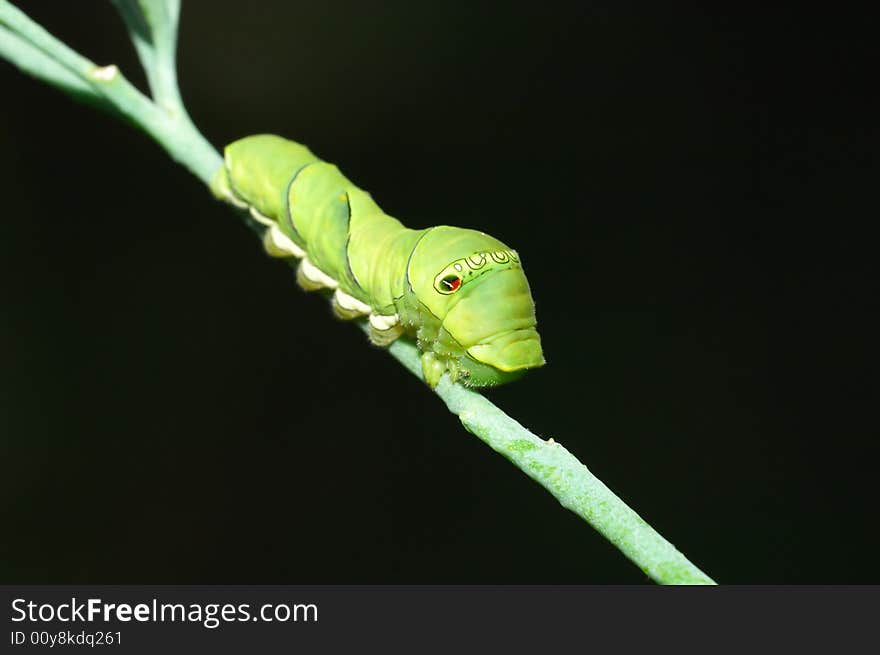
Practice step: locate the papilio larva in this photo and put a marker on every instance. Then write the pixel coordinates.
(461, 293)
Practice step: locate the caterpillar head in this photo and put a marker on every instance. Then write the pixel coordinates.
(475, 286)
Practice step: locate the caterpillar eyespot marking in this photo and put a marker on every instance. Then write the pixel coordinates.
(461, 292)
(468, 269)
(450, 284)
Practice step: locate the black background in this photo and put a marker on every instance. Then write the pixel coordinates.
(687, 189)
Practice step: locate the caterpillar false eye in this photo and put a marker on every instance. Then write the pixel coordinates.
(475, 319)
(450, 284)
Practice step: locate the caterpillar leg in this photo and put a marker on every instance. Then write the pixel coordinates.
(310, 278)
(278, 244)
(259, 218)
(384, 330)
(432, 368)
(348, 307)
(222, 190)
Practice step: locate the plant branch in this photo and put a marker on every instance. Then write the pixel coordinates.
(553, 467)
(71, 72)
(152, 25)
(31, 59)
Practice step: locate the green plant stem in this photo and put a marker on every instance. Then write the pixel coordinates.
(549, 464)
(32, 60)
(153, 27)
(70, 71)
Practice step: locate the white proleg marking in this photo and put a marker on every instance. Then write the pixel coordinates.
(281, 243)
(351, 303)
(383, 323)
(235, 201)
(259, 218)
(316, 275)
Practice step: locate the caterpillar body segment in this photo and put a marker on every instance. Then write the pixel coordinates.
(460, 293)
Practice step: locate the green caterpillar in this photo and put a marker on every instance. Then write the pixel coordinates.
(461, 293)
